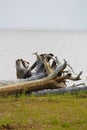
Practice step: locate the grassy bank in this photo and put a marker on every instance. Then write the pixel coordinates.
(50, 112)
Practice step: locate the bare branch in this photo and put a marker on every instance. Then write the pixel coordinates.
(69, 76)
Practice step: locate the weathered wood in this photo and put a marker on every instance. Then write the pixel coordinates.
(46, 76)
(75, 89)
(22, 69)
(29, 86)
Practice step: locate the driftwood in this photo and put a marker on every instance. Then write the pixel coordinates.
(46, 73)
(73, 89)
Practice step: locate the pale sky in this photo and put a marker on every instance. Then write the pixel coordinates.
(43, 14)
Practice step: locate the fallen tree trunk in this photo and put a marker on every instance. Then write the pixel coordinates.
(46, 76)
(75, 89)
(29, 86)
(43, 89)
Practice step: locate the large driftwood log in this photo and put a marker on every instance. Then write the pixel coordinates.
(41, 75)
(73, 89)
(40, 84)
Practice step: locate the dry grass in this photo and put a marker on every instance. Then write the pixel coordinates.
(50, 112)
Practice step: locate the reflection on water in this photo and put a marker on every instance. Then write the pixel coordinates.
(21, 44)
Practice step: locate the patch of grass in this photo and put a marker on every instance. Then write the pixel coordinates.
(49, 112)
(66, 125)
(54, 121)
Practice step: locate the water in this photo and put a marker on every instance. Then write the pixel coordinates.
(71, 46)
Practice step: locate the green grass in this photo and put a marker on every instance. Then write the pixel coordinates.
(50, 112)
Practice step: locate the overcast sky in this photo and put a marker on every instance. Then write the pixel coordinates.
(43, 14)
